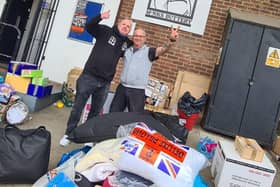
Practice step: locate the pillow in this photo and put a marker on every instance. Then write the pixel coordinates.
(149, 154)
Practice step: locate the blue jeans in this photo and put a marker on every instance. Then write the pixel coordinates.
(87, 85)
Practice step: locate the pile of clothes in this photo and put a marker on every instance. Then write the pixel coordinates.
(140, 157)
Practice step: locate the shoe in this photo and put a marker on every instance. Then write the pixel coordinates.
(64, 141)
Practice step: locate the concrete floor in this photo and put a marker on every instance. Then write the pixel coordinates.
(55, 120)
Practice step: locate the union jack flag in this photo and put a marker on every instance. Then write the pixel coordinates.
(168, 167)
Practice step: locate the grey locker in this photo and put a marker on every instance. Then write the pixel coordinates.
(245, 90)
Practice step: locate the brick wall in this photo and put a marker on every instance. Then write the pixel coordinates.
(194, 52)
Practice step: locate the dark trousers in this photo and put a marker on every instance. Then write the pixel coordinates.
(87, 85)
(132, 98)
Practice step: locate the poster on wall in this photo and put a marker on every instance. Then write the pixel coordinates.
(85, 10)
(190, 15)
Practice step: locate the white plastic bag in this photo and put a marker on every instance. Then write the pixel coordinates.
(17, 113)
(67, 168)
(125, 130)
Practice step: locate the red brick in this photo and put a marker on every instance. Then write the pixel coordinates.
(194, 52)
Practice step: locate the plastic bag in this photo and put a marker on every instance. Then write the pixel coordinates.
(67, 168)
(17, 113)
(190, 105)
(207, 147)
(125, 179)
(67, 156)
(61, 180)
(124, 130)
(199, 182)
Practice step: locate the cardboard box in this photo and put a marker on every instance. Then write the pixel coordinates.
(31, 73)
(72, 77)
(19, 83)
(195, 83)
(229, 169)
(248, 148)
(276, 146)
(15, 67)
(39, 91)
(158, 92)
(40, 81)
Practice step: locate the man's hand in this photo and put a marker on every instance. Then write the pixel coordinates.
(172, 38)
(174, 33)
(105, 15)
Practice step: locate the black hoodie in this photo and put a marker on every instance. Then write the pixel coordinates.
(110, 45)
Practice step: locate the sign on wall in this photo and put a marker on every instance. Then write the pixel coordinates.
(85, 10)
(191, 15)
(272, 57)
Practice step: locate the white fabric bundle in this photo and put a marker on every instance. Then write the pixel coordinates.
(150, 155)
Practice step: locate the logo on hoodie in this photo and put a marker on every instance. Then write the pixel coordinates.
(112, 40)
(124, 46)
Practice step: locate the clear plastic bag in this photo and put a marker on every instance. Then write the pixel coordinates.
(17, 113)
(124, 130)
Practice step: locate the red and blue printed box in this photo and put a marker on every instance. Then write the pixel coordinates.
(15, 67)
(39, 91)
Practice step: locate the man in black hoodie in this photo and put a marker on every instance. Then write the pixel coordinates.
(99, 69)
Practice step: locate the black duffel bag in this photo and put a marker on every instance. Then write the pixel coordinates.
(24, 154)
(105, 127)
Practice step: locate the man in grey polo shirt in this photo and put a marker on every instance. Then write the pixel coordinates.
(138, 61)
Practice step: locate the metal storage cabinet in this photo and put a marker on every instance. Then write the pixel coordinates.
(245, 90)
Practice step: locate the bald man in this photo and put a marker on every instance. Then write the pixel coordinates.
(138, 61)
(99, 69)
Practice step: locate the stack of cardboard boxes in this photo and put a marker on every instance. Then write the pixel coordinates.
(28, 79)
